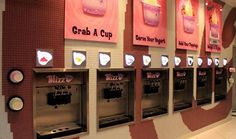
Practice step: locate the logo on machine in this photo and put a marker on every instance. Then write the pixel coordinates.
(151, 75)
(111, 77)
(218, 72)
(202, 73)
(56, 79)
(180, 74)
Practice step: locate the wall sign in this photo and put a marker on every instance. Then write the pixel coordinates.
(213, 24)
(104, 59)
(150, 23)
(93, 20)
(129, 60)
(79, 58)
(147, 60)
(187, 24)
(44, 58)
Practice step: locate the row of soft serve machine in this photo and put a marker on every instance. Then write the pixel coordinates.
(60, 96)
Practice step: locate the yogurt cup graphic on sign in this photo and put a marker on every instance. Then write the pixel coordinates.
(146, 60)
(177, 61)
(151, 12)
(78, 58)
(188, 17)
(94, 7)
(43, 57)
(214, 27)
(199, 61)
(104, 59)
(129, 60)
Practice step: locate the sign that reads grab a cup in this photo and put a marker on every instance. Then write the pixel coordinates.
(91, 20)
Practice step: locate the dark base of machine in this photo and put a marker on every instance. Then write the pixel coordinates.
(154, 112)
(180, 106)
(220, 97)
(111, 121)
(203, 101)
(60, 132)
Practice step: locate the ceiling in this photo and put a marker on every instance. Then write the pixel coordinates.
(230, 2)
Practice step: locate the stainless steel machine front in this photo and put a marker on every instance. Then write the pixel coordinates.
(220, 83)
(204, 86)
(60, 102)
(183, 88)
(115, 97)
(155, 84)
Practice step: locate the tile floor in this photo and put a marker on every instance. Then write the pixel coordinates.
(224, 131)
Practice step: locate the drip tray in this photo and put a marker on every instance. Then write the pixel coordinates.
(202, 101)
(180, 106)
(114, 120)
(58, 130)
(153, 111)
(220, 97)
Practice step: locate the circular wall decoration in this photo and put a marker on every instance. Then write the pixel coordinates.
(16, 76)
(15, 103)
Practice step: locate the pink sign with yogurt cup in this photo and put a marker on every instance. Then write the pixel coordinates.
(150, 23)
(91, 20)
(213, 24)
(187, 24)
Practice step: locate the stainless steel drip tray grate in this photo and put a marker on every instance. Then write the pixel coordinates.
(59, 130)
(182, 105)
(201, 101)
(154, 111)
(114, 120)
